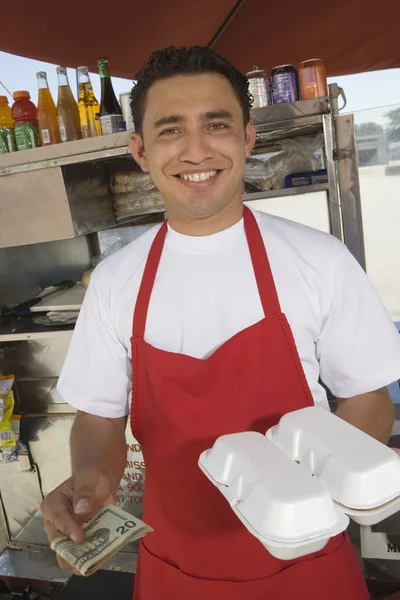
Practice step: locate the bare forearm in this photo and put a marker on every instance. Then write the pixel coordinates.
(373, 413)
(100, 443)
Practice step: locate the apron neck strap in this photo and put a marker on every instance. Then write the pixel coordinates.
(259, 258)
(262, 269)
(146, 287)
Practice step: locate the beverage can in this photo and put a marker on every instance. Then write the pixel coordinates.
(285, 84)
(26, 136)
(125, 101)
(7, 140)
(260, 88)
(111, 124)
(312, 79)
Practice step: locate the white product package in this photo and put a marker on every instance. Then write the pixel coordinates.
(295, 487)
(290, 512)
(361, 474)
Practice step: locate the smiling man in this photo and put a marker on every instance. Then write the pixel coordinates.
(220, 320)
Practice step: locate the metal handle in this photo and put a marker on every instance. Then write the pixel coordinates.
(335, 91)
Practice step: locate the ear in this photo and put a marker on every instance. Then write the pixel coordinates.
(250, 139)
(136, 146)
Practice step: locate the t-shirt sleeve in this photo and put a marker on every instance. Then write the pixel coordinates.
(359, 347)
(96, 376)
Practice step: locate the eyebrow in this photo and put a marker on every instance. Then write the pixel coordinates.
(171, 119)
(208, 116)
(218, 114)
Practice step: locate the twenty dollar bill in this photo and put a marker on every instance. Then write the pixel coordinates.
(105, 534)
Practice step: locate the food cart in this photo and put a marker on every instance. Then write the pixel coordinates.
(58, 219)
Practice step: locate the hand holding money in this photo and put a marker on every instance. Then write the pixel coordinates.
(105, 534)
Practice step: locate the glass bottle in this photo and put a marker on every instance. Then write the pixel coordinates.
(88, 106)
(46, 113)
(110, 110)
(67, 109)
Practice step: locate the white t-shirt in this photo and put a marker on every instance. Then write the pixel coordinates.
(205, 292)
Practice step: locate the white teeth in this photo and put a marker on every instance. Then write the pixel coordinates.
(198, 176)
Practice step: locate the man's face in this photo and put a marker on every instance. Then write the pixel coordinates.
(194, 144)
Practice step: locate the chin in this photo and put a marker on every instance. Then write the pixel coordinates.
(201, 209)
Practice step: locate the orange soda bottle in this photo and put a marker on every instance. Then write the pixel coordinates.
(46, 113)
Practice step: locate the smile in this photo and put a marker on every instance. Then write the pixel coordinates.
(197, 177)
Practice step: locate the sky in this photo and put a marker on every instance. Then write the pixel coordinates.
(369, 95)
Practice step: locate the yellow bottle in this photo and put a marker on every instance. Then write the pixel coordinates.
(7, 136)
(88, 106)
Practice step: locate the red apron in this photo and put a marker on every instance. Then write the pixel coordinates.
(199, 549)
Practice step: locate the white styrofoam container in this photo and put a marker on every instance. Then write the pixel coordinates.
(280, 503)
(360, 473)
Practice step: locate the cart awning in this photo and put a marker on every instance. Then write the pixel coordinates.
(351, 36)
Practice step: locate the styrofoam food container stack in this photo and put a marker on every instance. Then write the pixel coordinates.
(280, 503)
(361, 474)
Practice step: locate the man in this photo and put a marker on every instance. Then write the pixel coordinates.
(236, 316)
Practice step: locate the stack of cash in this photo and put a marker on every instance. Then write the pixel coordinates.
(105, 534)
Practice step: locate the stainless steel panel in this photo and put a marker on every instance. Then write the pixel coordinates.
(25, 270)
(41, 564)
(34, 208)
(349, 187)
(333, 197)
(38, 565)
(89, 197)
(49, 446)
(21, 497)
(290, 110)
(37, 359)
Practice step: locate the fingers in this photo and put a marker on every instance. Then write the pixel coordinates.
(57, 510)
(52, 534)
(92, 490)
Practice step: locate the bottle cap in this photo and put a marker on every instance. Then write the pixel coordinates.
(82, 68)
(61, 69)
(4, 99)
(41, 74)
(21, 94)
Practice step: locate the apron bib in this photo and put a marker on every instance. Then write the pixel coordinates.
(199, 549)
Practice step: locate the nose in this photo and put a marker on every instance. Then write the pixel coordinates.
(195, 147)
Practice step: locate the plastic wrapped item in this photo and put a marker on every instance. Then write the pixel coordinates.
(136, 203)
(14, 454)
(7, 438)
(6, 384)
(297, 155)
(291, 513)
(134, 194)
(131, 181)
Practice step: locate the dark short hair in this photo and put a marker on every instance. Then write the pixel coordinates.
(193, 60)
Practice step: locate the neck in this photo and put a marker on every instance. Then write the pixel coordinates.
(223, 219)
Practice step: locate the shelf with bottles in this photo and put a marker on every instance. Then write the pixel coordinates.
(50, 124)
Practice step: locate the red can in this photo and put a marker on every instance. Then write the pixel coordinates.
(312, 79)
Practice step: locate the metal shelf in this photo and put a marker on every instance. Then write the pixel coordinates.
(58, 155)
(24, 328)
(290, 111)
(295, 191)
